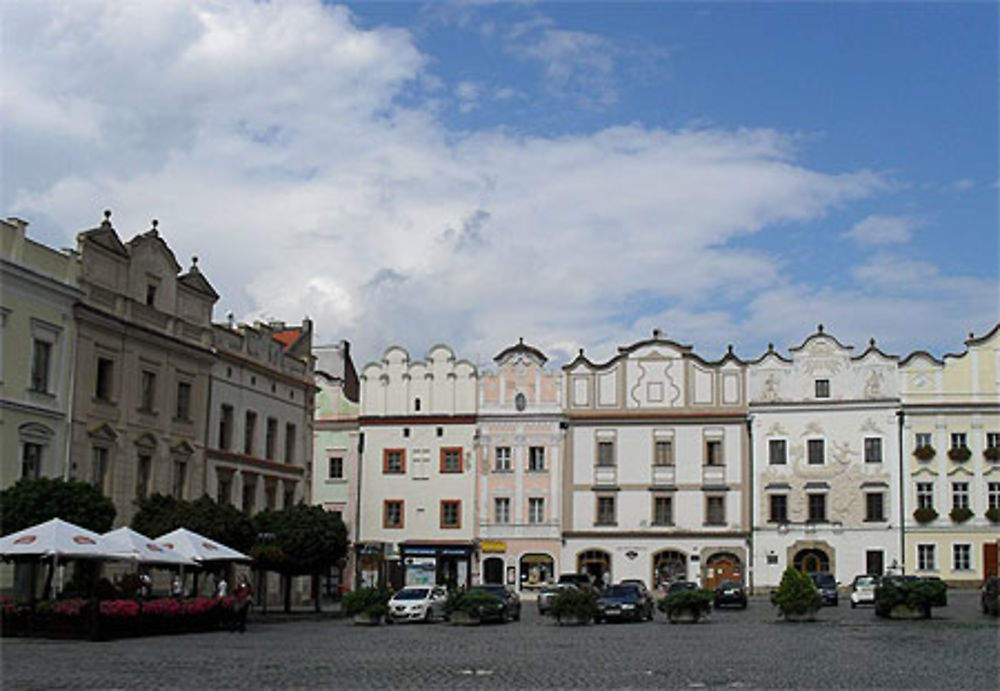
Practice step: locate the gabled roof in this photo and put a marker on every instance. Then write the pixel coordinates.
(197, 282)
(769, 352)
(872, 348)
(105, 236)
(979, 340)
(154, 235)
(819, 333)
(521, 347)
(921, 353)
(624, 351)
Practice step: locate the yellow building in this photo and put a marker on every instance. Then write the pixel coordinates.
(951, 447)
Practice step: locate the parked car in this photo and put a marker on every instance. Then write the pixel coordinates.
(730, 593)
(681, 585)
(989, 595)
(510, 602)
(826, 584)
(625, 601)
(417, 603)
(863, 590)
(637, 582)
(943, 600)
(578, 580)
(548, 594)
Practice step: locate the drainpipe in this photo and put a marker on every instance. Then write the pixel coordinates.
(901, 416)
(68, 445)
(753, 501)
(357, 508)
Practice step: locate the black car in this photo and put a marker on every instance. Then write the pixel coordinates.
(510, 603)
(624, 602)
(730, 593)
(826, 584)
(989, 595)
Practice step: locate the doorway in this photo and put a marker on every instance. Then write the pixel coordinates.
(493, 571)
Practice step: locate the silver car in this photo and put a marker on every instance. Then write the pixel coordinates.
(417, 603)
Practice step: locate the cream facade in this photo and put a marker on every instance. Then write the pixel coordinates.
(824, 425)
(951, 450)
(520, 457)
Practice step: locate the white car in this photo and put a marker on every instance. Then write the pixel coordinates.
(417, 603)
(863, 590)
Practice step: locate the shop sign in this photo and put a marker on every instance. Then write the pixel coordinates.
(493, 546)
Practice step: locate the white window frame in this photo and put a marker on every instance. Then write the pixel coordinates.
(501, 510)
(925, 490)
(960, 495)
(880, 446)
(536, 510)
(955, 553)
(926, 552)
(501, 459)
(808, 459)
(993, 495)
(534, 467)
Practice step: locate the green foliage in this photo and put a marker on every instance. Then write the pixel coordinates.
(475, 603)
(959, 454)
(574, 604)
(30, 502)
(370, 601)
(796, 593)
(924, 453)
(159, 514)
(696, 600)
(992, 453)
(918, 595)
(960, 514)
(307, 539)
(993, 514)
(925, 515)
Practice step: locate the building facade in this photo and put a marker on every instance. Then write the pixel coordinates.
(657, 465)
(520, 457)
(826, 460)
(418, 471)
(951, 450)
(38, 336)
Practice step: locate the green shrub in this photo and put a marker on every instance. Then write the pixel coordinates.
(924, 453)
(572, 603)
(992, 453)
(919, 595)
(475, 603)
(960, 515)
(993, 514)
(959, 454)
(696, 600)
(370, 601)
(796, 593)
(925, 515)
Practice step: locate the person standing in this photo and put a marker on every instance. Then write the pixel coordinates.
(243, 596)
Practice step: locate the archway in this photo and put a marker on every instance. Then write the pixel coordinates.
(669, 566)
(597, 564)
(537, 570)
(811, 560)
(723, 566)
(493, 571)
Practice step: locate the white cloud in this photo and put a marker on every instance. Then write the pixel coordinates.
(882, 230)
(468, 94)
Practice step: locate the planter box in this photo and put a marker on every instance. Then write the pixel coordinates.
(685, 616)
(570, 620)
(800, 616)
(459, 618)
(367, 619)
(907, 612)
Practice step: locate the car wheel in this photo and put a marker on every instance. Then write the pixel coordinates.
(743, 605)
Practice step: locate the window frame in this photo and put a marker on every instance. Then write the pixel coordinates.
(870, 516)
(330, 465)
(821, 388)
(717, 500)
(104, 379)
(606, 443)
(924, 495)
(967, 547)
(772, 505)
(533, 467)
(960, 494)
(772, 442)
(385, 514)
(873, 444)
(536, 517)
(668, 501)
(714, 453)
(925, 550)
(599, 516)
(443, 456)
(446, 504)
(958, 440)
(501, 517)
(506, 467)
(147, 391)
(402, 461)
(810, 496)
(663, 460)
(182, 407)
(40, 372)
(809, 446)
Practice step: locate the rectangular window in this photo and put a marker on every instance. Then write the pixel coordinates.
(663, 452)
(183, 400)
(249, 433)
(501, 510)
(605, 453)
(822, 388)
(993, 495)
(289, 495)
(271, 494)
(663, 510)
(451, 514)
(289, 443)
(777, 451)
(715, 510)
(392, 513)
(335, 468)
(536, 510)
(960, 495)
(778, 512)
(270, 438)
(41, 357)
(502, 463)
(393, 461)
(923, 440)
(816, 451)
(925, 495)
(99, 468)
(451, 459)
(224, 487)
(959, 440)
(180, 478)
(926, 558)
(151, 294)
(873, 449)
(874, 506)
(142, 471)
(226, 428)
(875, 562)
(249, 493)
(817, 508)
(147, 391)
(31, 461)
(993, 440)
(961, 557)
(606, 511)
(105, 379)
(536, 459)
(713, 452)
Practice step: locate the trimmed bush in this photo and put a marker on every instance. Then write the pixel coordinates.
(372, 602)
(572, 603)
(925, 515)
(960, 515)
(796, 594)
(477, 604)
(917, 595)
(924, 453)
(959, 454)
(696, 601)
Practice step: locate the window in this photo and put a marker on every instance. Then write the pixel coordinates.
(440, 431)
(271, 494)
(822, 388)
(874, 506)
(605, 453)
(817, 508)
(923, 439)
(336, 468)
(536, 510)
(873, 449)
(874, 562)
(501, 510)
(416, 405)
(180, 478)
(993, 495)
(31, 461)
(147, 391)
(451, 460)
(142, 476)
(606, 511)
(816, 451)
(925, 495)
(536, 459)
(926, 560)
(183, 400)
(99, 468)
(270, 438)
(960, 495)
(406, 432)
(249, 493)
(778, 508)
(288, 500)
(961, 557)
(289, 442)
(777, 451)
(249, 433)
(992, 440)
(663, 452)
(151, 294)
(451, 514)
(392, 513)
(393, 462)
(715, 510)
(226, 428)
(958, 440)
(502, 463)
(104, 381)
(41, 357)
(713, 452)
(663, 510)
(224, 487)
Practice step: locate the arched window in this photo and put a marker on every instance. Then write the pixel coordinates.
(597, 564)
(669, 566)
(493, 571)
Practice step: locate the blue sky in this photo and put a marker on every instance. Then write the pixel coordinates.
(573, 173)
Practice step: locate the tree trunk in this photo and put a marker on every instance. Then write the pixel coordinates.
(287, 580)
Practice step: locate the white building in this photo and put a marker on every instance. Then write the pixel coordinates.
(826, 460)
(418, 470)
(656, 472)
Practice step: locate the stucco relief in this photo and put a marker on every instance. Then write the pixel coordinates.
(841, 452)
(651, 371)
(776, 430)
(869, 425)
(770, 392)
(820, 356)
(874, 384)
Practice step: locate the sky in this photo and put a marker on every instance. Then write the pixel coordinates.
(574, 174)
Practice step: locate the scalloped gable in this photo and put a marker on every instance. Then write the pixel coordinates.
(153, 236)
(820, 333)
(521, 348)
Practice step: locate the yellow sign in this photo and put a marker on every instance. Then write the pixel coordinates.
(493, 546)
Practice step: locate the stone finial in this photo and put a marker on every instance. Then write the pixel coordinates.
(820, 328)
(194, 262)
(107, 217)
(520, 341)
(871, 342)
(657, 333)
(971, 335)
(153, 231)
(729, 349)
(770, 347)
(581, 352)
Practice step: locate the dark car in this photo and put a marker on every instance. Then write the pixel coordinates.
(730, 593)
(548, 594)
(941, 601)
(510, 603)
(681, 585)
(624, 602)
(578, 580)
(989, 595)
(826, 584)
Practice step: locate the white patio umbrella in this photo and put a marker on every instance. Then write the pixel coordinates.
(54, 538)
(198, 547)
(125, 543)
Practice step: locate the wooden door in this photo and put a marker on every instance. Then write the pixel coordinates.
(723, 568)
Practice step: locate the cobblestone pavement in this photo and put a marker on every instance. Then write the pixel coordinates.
(959, 648)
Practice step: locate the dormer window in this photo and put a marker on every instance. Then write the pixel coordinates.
(416, 405)
(822, 388)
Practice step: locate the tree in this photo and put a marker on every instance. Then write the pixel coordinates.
(30, 502)
(159, 514)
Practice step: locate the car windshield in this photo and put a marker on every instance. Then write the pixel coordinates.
(824, 579)
(682, 585)
(730, 584)
(865, 581)
(620, 591)
(411, 594)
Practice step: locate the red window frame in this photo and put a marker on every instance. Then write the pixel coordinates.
(385, 462)
(447, 449)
